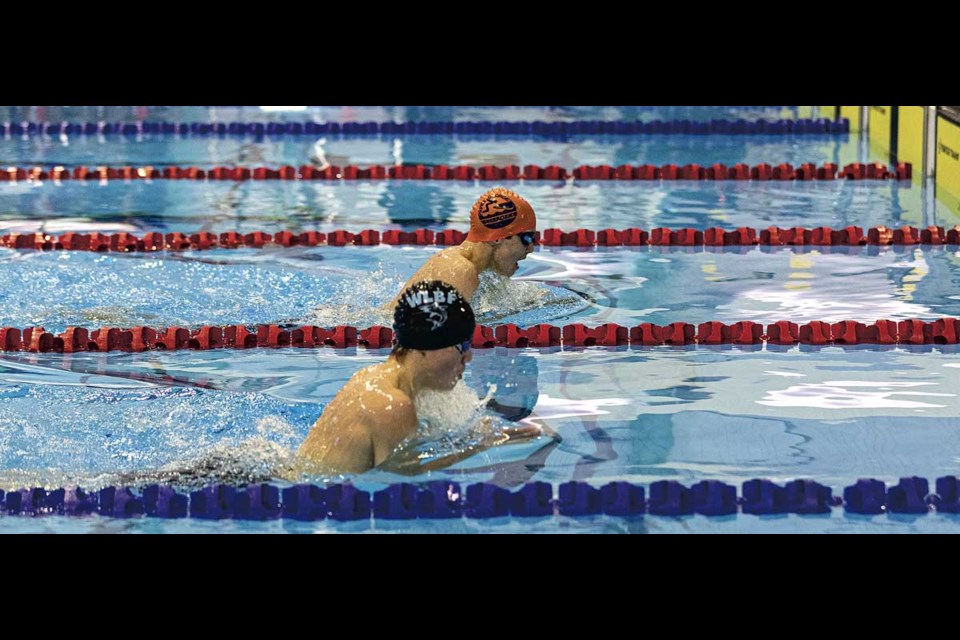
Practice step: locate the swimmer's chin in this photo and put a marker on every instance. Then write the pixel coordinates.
(509, 271)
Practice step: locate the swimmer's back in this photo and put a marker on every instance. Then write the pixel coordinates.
(449, 265)
(361, 426)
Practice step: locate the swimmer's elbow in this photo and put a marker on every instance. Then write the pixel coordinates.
(406, 468)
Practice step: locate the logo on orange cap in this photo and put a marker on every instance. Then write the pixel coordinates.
(496, 211)
(499, 213)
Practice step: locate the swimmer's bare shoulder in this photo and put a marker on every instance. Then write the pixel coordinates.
(451, 265)
(361, 426)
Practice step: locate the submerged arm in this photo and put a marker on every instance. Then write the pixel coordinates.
(407, 460)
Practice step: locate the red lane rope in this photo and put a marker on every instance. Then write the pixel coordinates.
(848, 332)
(850, 236)
(536, 128)
(782, 171)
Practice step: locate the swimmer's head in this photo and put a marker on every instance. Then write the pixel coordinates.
(500, 213)
(433, 318)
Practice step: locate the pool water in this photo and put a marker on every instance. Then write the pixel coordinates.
(475, 150)
(271, 206)
(386, 114)
(326, 286)
(634, 414)
(638, 414)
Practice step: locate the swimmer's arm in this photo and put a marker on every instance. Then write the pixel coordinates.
(341, 447)
(408, 463)
(546, 430)
(391, 422)
(413, 467)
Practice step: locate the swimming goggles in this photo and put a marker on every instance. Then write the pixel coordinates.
(527, 237)
(463, 347)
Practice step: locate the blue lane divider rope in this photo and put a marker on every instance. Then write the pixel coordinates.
(484, 128)
(443, 499)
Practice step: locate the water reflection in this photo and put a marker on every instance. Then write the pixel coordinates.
(852, 394)
(384, 113)
(415, 206)
(327, 286)
(271, 206)
(688, 414)
(515, 378)
(474, 150)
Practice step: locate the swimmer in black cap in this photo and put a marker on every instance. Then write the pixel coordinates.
(374, 412)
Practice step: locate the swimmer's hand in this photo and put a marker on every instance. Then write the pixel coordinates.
(526, 432)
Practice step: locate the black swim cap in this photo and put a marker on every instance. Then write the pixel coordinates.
(432, 315)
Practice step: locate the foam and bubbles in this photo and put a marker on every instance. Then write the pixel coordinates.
(359, 301)
(60, 433)
(364, 301)
(450, 423)
(499, 297)
(444, 412)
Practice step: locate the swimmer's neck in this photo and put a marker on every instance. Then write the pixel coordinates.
(401, 375)
(480, 254)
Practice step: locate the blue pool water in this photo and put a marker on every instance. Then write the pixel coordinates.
(326, 286)
(637, 414)
(187, 206)
(209, 151)
(385, 114)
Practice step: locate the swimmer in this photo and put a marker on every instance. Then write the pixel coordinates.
(375, 410)
(502, 226)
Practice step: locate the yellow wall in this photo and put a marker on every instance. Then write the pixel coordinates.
(804, 112)
(852, 114)
(948, 164)
(910, 139)
(830, 113)
(879, 120)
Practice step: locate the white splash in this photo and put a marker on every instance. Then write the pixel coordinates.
(282, 109)
(276, 426)
(443, 412)
(498, 296)
(251, 460)
(363, 301)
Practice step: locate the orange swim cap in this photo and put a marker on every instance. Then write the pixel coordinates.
(500, 213)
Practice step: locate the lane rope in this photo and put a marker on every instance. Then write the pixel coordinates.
(536, 128)
(669, 172)
(943, 331)
(713, 237)
(444, 499)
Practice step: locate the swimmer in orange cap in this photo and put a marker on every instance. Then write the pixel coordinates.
(502, 226)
